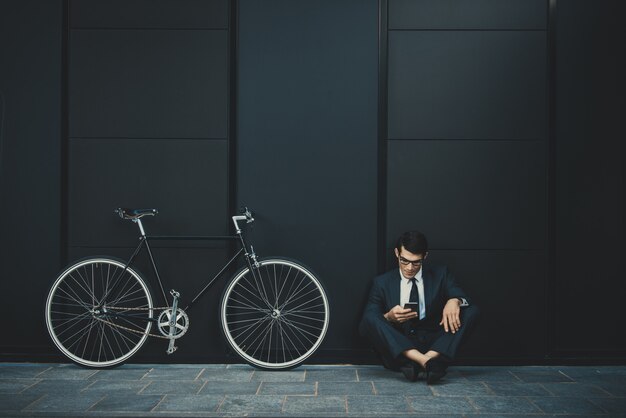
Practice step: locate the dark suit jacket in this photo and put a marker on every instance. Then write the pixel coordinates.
(439, 287)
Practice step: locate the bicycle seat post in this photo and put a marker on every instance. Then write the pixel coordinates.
(141, 230)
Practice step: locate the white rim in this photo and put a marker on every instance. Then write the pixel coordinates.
(54, 336)
(290, 363)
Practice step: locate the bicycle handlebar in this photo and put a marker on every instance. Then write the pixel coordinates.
(246, 216)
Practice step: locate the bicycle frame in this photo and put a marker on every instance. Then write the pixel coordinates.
(144, 239)
(99, 311)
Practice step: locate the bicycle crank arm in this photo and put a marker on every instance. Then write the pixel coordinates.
(171, 347)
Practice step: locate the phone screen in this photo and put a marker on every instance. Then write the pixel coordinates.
(411, 305)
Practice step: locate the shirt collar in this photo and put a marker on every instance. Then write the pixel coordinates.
(418, 276)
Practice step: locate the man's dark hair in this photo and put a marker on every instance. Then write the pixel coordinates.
(414, 242)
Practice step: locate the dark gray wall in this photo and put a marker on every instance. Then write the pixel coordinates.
(467, 153)
(307, 144)
(31, 59)
(590, 184)
(493, 126)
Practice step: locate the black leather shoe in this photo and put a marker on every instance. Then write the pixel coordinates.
(411, 371)
(435, 370)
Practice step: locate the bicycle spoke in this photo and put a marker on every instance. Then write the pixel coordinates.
(290, 330)
(83, 328)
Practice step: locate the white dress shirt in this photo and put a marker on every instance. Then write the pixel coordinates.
(405, 292)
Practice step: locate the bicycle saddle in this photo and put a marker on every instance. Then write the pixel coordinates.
(126, 213)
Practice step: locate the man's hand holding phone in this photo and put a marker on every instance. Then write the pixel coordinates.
(399, 314)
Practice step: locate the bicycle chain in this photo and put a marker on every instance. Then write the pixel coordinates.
(134, 330)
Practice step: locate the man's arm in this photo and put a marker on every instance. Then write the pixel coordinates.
(375, 302)
(376, 306)
(451, 315)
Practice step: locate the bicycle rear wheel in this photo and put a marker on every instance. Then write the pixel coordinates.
(97, 313)
(275, 316)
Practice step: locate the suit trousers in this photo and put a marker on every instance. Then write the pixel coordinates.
(390, 340)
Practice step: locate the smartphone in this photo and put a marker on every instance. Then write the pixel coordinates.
(411, 305)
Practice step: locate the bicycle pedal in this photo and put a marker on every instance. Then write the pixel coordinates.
(170, 350)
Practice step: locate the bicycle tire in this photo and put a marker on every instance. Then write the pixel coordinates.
(75, 312)
(275, 316)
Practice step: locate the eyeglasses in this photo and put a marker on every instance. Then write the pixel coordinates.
(414, 263)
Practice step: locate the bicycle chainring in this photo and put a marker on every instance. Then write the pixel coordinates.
(181, 324)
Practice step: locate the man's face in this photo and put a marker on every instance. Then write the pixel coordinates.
(409, 263)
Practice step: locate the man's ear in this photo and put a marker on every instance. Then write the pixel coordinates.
(395, 250)
(425, 255)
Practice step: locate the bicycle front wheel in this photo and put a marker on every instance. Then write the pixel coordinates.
(275, 316)
(98, 312)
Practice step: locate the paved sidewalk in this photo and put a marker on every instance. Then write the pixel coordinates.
(140, 390)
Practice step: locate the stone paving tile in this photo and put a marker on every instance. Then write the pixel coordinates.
(330, 375)
(611, 405)
(615, 384)
(67, 402)
(246, 404)
(504, 405)
(530, 375)
(231, 388)
(287, 388)
(163, 387)
(461, 389)
(58, 386)
(377, 405)
(377, 373)
(15, 385)
(110, 386)
(610, 369)
(575, 389)
(560, 405)
(175, 365)
(314, 405)
(22, 370)
(278, 376)
(174, 373)
(127, 403)
(488, 374)
(67, 371)
(122, 373)
(190, 403)
(576, 372)
(239, 366)
(434, 405)
(518, 389)
(402, 387)
(341, 366)
(11, 403)
(615, 389)
(227, 375)
(345, 388)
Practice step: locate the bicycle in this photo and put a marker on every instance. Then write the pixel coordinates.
(274, 312)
